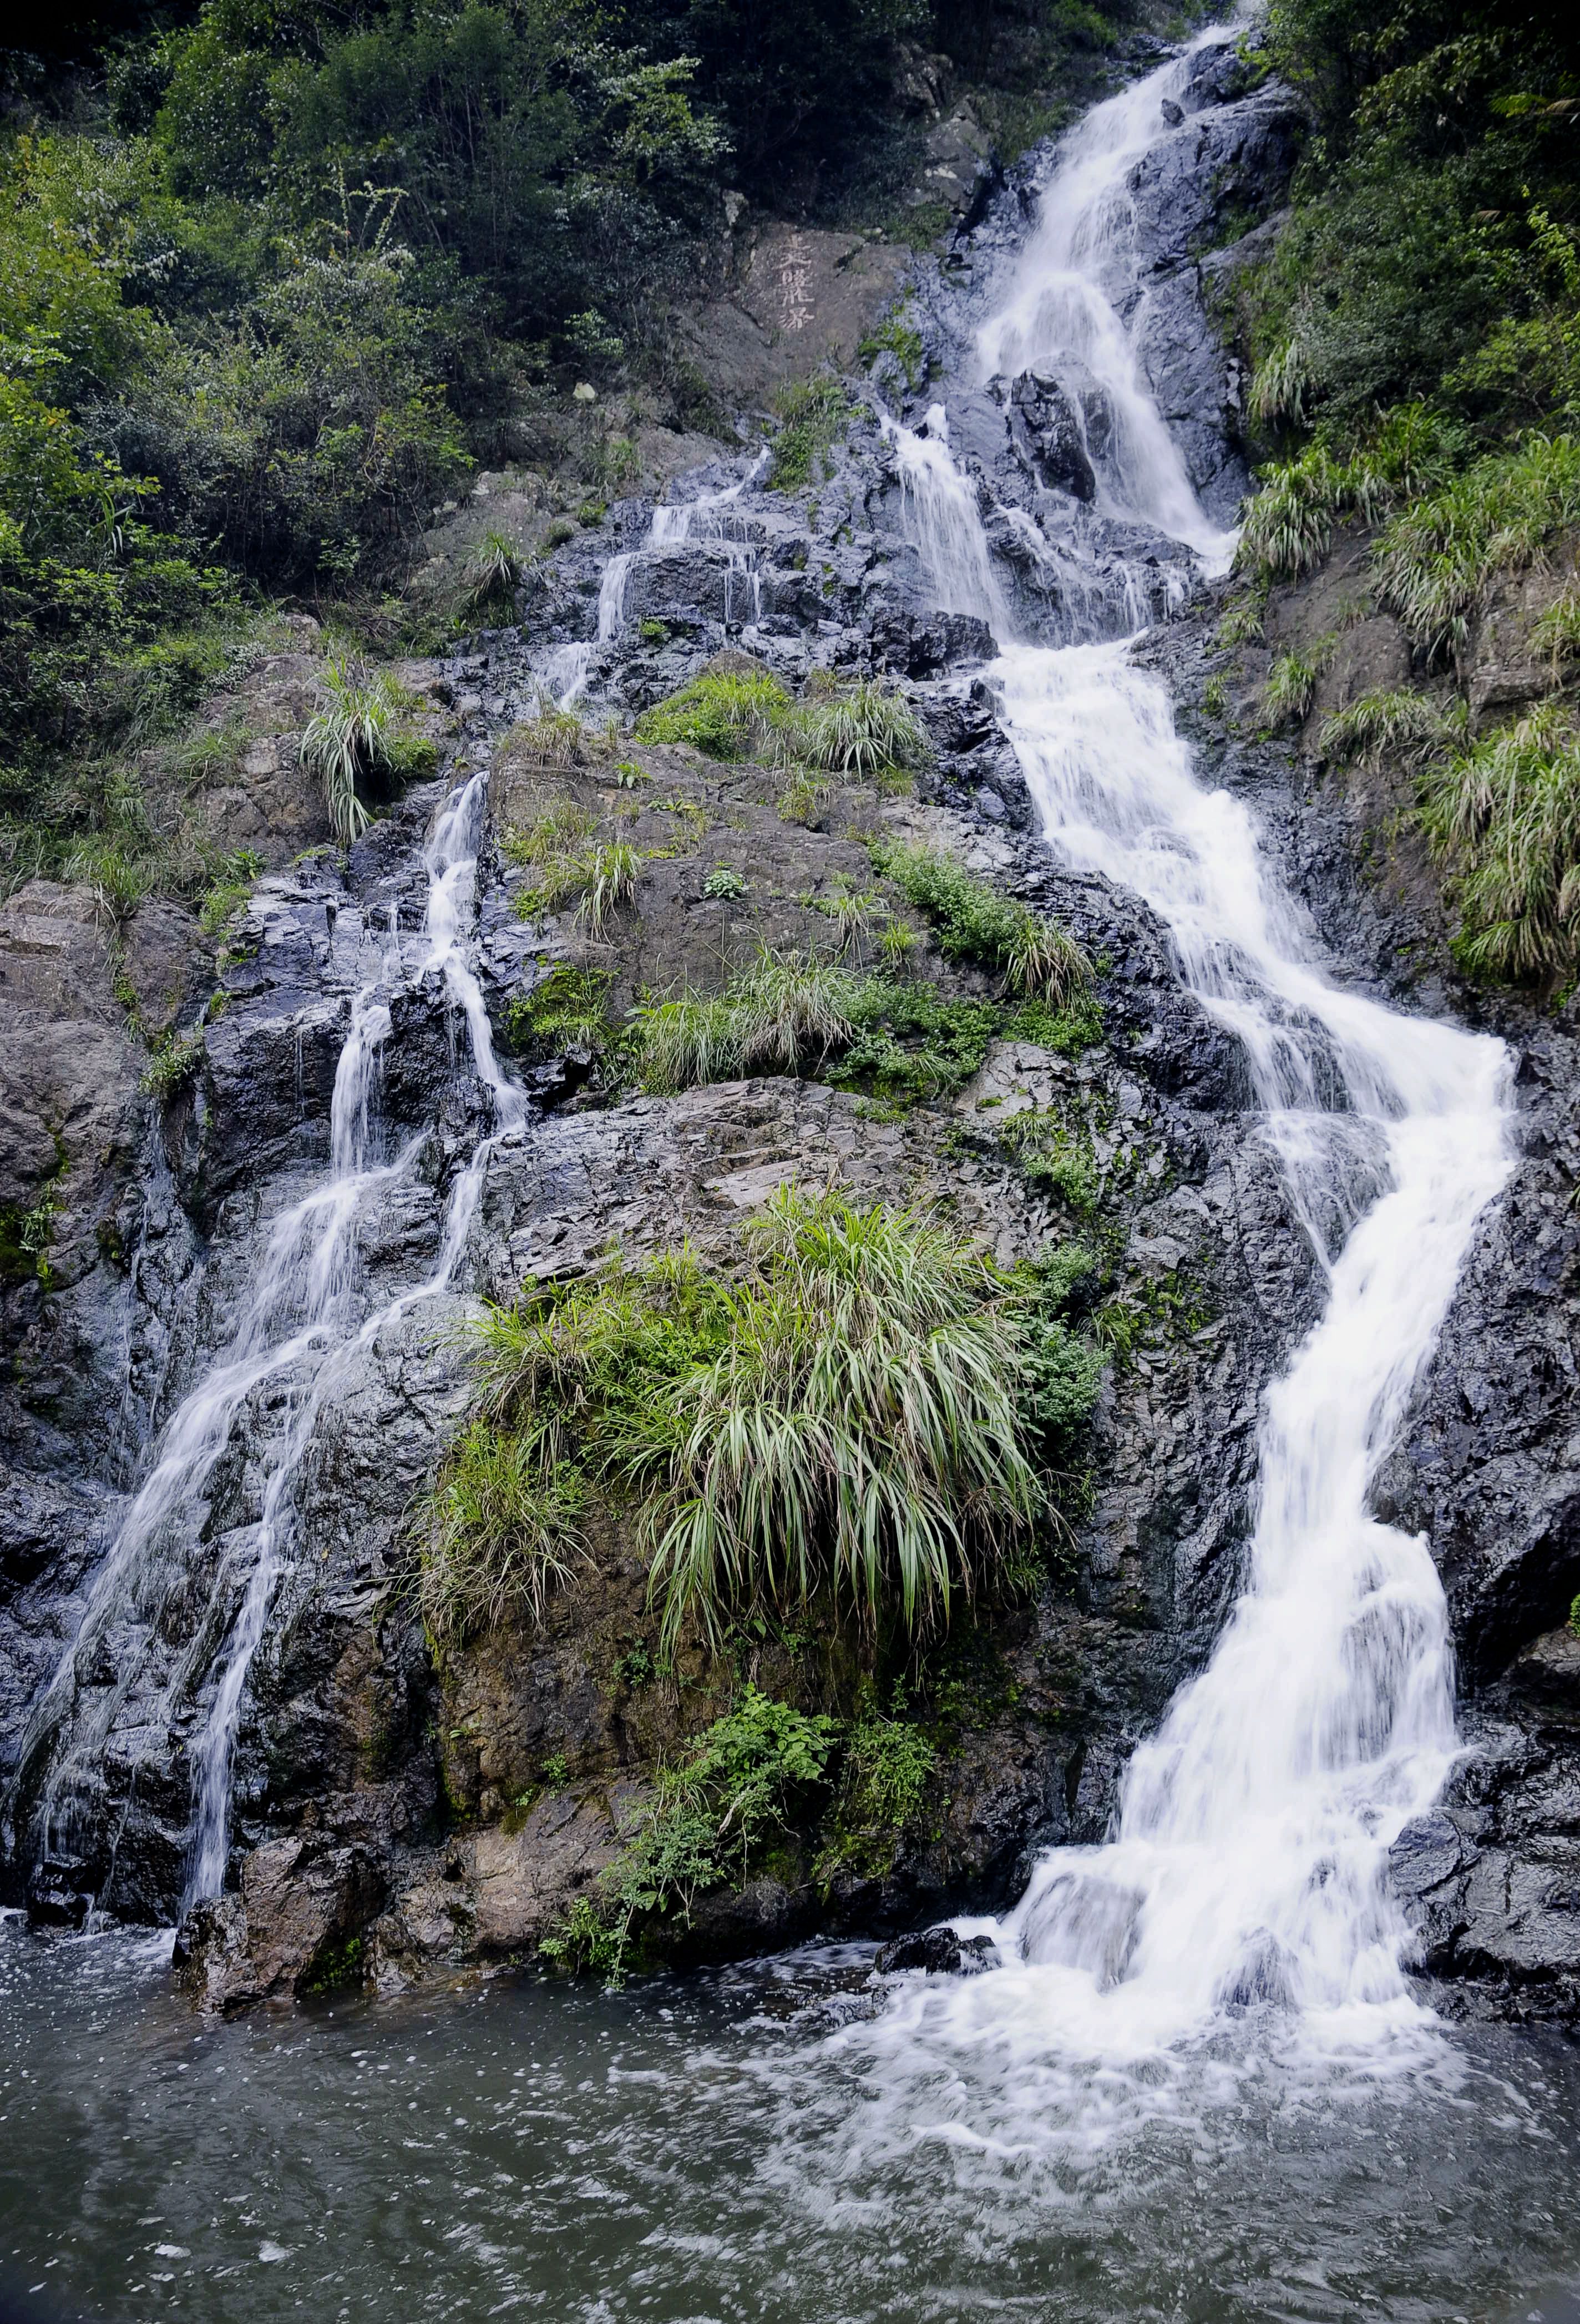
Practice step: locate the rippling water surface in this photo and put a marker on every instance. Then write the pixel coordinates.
(747, 2144)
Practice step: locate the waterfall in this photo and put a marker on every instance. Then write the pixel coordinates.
(1247, 1863)
(297, 1333)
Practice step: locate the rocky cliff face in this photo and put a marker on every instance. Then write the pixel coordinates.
(392, 1815)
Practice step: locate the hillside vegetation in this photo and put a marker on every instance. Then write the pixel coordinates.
(276, 276)
(1416, 336)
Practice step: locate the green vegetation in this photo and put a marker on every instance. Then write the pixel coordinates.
(355, 739)
(1290, 689)
(859, 1416)
(1038, 959)
(886, 1771)
(860, 732)
(1417, 339)
(1504, 817)
(811, 415)
(782, 1014)
(729, 715)
(732, 1796)
(499, 1531)
(1392, 722)
(174, 1067)
(897, 338)
(571, 863)
(568, 1009)
(722, 883)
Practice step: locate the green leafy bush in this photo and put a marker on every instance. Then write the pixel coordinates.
(711, 1816)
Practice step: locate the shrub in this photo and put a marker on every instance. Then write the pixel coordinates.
(608, 872)
(492, 575)
(174, 1067)
(1558, 633)
(728, 715)
(568, 1009)
(887, 1768)
(500, 1529)
(550, 742)
(710, 1816)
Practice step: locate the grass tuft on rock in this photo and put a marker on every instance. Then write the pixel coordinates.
(500, 1529)
(857, 1414)
(728, 715)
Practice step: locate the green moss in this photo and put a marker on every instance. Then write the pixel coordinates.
(337, 1967)
(568, 1009)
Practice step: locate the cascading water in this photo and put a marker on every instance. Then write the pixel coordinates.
(1248, 1863)
(299, 1327)
(706, 518)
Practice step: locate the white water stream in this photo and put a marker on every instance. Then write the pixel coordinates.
(300, 1327)
(706, 518)
(1248, 1863)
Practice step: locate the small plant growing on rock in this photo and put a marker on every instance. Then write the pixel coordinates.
(629, 776)
(1390, 722)
(1290, 689)
(732, 1794)
(173, 1067)
(722, 882)
(1038, 959)
(499, 1532)
(811, 415)
(860, 734)
(728, 715)
(608, 873)
(492, 574)
(347, 740)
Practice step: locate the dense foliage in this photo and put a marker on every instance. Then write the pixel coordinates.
(1419, 341)
(864, 1415)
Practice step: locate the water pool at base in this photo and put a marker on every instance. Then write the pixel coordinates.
(746, 2143)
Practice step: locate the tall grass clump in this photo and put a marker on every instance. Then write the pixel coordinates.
(854, 1417)
(501, 1529)
(1290, 523)
(783, 1013)
(1290, 688)
(349, 739)
(861, 732)
(1390, 722)
(1504, 817)
(1434, 558)
(552, 742)
(729, 715)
